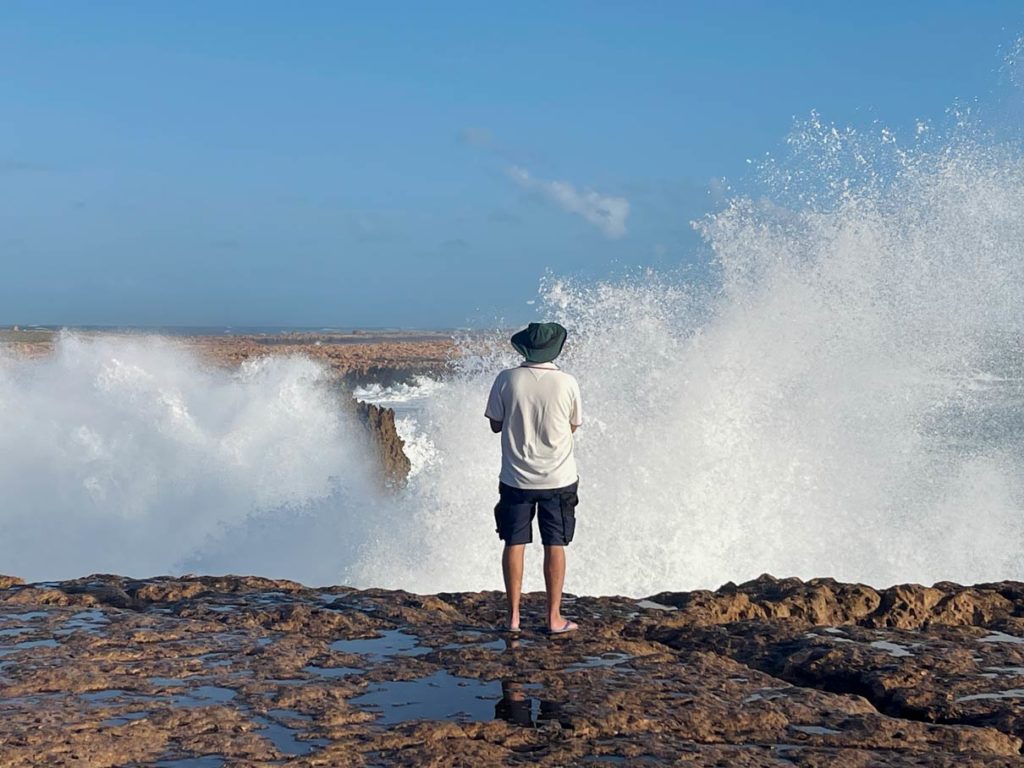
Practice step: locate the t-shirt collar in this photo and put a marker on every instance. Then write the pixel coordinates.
(546, 366)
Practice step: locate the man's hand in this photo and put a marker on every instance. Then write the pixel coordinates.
(574, 427)
(495, 426)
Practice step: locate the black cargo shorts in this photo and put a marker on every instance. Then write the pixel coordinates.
(555, 509)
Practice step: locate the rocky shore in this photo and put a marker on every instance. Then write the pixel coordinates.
(356, 357)
(242, 671)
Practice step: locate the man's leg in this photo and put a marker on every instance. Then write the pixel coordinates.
(512, 568)
(554, 578)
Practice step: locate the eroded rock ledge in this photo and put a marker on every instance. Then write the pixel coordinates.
(242, 671)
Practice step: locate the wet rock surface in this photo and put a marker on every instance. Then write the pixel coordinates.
(242, 671)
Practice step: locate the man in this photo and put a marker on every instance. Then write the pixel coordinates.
(536, 408)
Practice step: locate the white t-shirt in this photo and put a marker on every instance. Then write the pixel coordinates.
(537, 405)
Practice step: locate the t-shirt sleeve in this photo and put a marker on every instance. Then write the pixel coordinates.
(576, 414)
(495, 407)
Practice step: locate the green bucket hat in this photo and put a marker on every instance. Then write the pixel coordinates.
(540, 342)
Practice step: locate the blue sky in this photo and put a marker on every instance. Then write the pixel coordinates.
(413, 164)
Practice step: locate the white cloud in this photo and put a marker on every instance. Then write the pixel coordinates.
(607, 213)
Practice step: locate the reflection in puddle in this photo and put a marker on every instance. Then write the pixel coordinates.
(439, 697)
(518, 707)
(392, 642)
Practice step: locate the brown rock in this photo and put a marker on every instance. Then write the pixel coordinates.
(109, 671)
(389, 447)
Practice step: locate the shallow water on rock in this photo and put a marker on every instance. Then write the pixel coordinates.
(206, 761)
(893, 649)
(332, 672)
(604, 660)
(815, 730)
(123, 719)
(204, 696)
(1001, 637)
(1016, 693)
(391, 642)
(286, 740)
(440, 696)
(654, 606)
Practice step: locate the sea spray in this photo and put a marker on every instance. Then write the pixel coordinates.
(126, 454)
(845, 399)
(842, 398)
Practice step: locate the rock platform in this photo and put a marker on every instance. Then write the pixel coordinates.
(243, 671)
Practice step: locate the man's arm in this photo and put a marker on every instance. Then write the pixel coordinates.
(496, 426)
(573, 427)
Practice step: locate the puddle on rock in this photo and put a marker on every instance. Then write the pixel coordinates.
(110, 694)
(27, 616)
(286, 740)
(332, 672)
(206, 761)
(440, 696)
(91, 620)
(1011, 671)
(26, 644)
(203, 696)
(893, 649)
(604, 660)
(815, 730)
(1014, 693)
(1001, 637)
(765, 694)
(392, 642)
(123, 719)
(166, 682)
(653, 606)
(474, 639)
